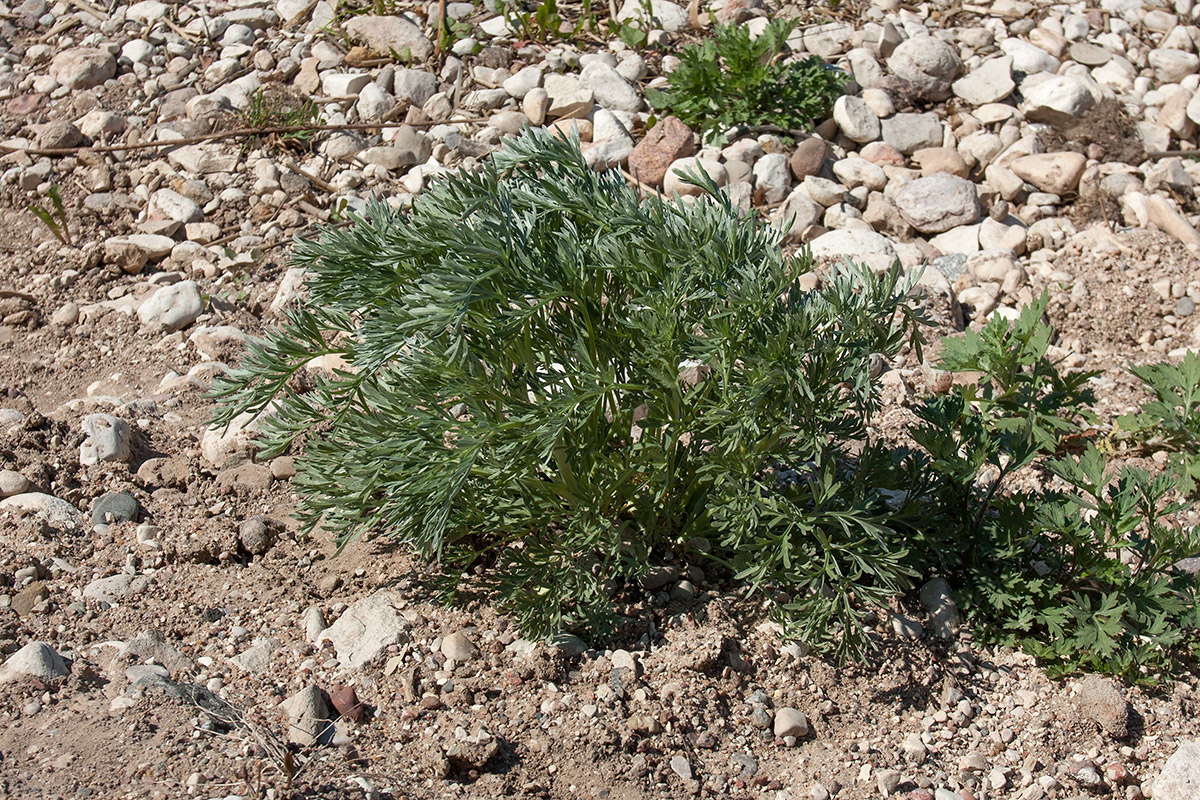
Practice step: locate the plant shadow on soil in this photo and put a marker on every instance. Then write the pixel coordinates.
(637, 615)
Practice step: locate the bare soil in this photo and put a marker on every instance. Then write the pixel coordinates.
(557, 725)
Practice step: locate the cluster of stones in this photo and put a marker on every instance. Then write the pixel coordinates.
(943, 145)
(946, 150)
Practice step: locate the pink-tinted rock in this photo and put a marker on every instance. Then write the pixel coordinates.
(941, 159)
(83, 67)
(346, 701)
(882, 153)
(736, 12)
(667, 142)
(24, 105)
(388, 34)
(808, 158)
(174, 103)
(1057, 173)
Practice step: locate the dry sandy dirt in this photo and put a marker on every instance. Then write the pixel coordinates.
(559, 727)
(680, 705)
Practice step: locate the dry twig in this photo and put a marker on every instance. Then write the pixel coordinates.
(1157, 154)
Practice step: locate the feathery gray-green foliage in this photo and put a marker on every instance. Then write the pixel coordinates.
(556, 385)
(555, 379)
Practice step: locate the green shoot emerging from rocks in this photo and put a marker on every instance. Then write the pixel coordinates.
(275, 108)
(54, 218)
(730, 80)
(1172, 420)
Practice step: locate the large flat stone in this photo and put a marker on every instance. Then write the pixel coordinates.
(365, 629)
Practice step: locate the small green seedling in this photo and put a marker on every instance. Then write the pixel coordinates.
(277, 109)
(56, 218)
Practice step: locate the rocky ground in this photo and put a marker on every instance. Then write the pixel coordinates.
(167, 633)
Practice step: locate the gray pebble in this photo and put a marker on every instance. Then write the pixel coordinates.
(791, 722)
(760, 718)
(107, 439)
(681, 767)
(114, 507)
(12, 482)
(458, 647)
(256, 535)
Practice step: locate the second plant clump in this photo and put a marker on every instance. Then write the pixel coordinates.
(731, 79)
(557, 385)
